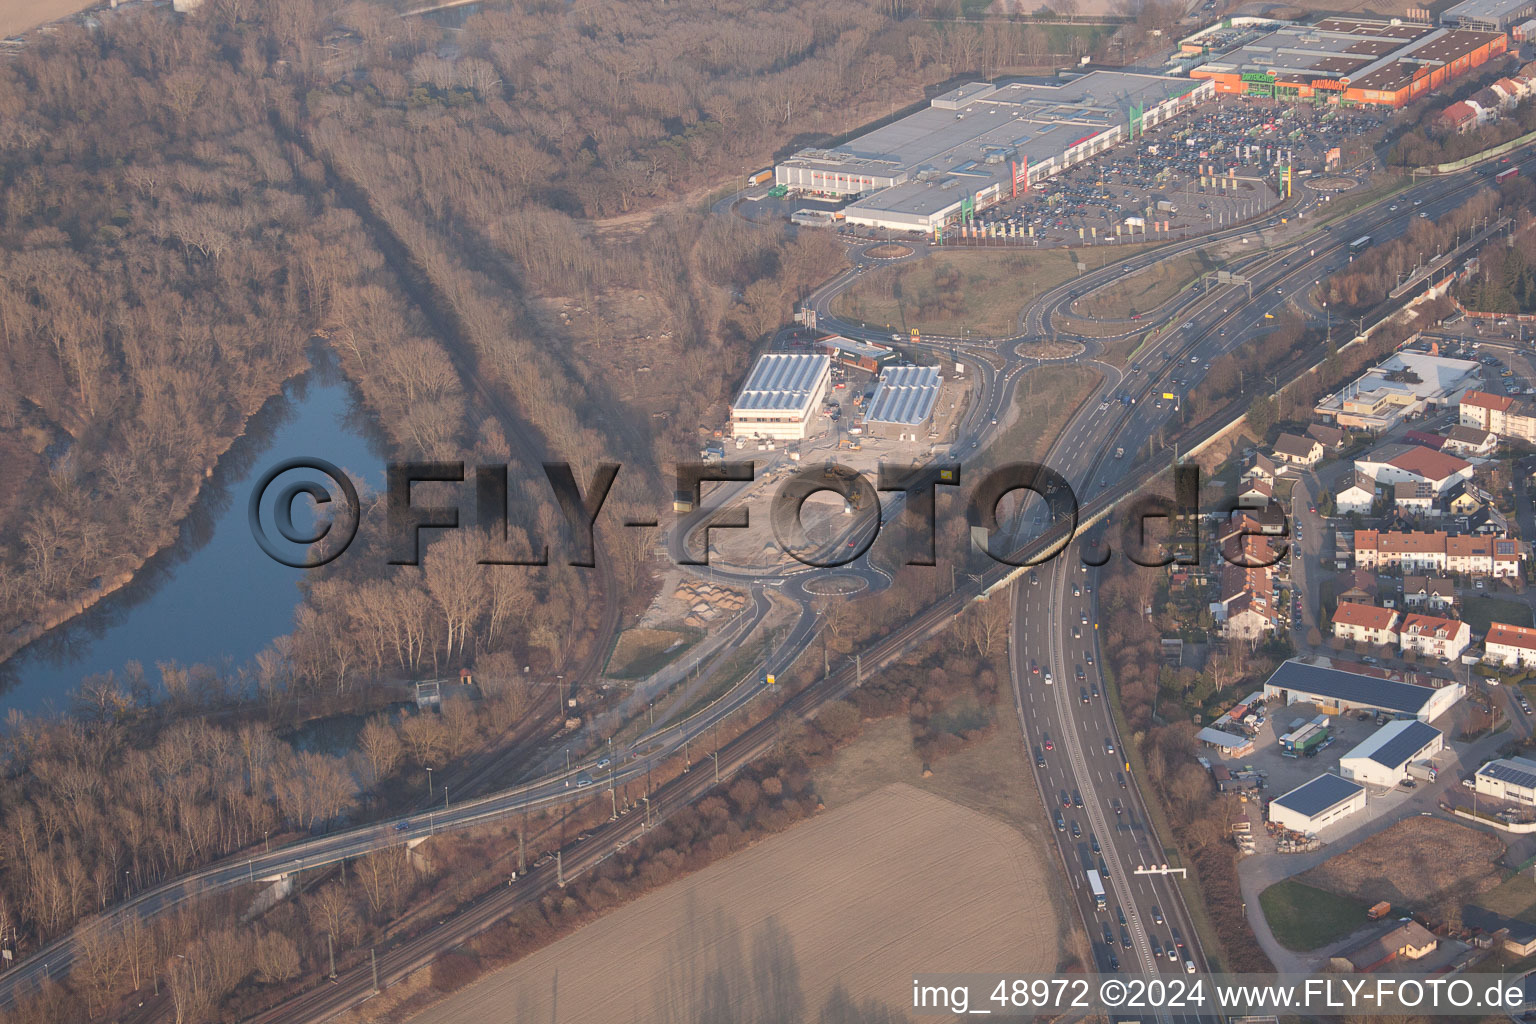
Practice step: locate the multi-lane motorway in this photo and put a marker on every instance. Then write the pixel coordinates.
(1085, 761)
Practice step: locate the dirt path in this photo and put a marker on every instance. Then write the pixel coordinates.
(858, 898)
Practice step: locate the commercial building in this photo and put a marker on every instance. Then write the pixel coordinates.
(982, 143)
(1510, 646)
(1351, 60)
(1365, 624)
(1314, 805)
(780, 396)
(1392, 464)
(1489, 15)
(1335, 690)
(903, 403)
(1508, 778)
(1403, 384)
(1382, 759)
(1433, 636)
(861, 355)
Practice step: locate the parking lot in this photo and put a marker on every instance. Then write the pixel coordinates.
(1157, 178)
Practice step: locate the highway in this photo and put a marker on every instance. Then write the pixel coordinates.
(1081, 763)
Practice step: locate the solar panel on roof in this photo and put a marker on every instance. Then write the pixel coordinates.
(1351, 687)
(1400, 748)
(1315, 797)
(1505, 772)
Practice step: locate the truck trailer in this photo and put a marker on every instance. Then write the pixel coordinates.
(759, 177)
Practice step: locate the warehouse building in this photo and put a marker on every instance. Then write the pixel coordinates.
(901, 408)
(1382, 759)
(1228, 744)
(1351, 60)
(1508, 778)
(1314, 805)
(982, 143)
(1335, 690)
(1489, 15)
(780, 396)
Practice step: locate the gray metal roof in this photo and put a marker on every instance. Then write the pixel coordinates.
(1397, 743)
(1221, 738)
(1352, 687)
(1321, 794)
(1484, 10)
(905, 395)
(782, 383)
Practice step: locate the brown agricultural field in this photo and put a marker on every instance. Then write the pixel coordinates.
(1425, 864)
(853, 900)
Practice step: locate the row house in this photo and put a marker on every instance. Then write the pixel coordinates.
(1415, 498)
(1510, 646)
(1426, 551)
(1434, 636)
(1247, 608)
(1365, 624)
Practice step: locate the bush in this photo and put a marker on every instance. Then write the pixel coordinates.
(453, 970)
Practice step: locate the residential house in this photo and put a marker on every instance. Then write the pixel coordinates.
(1408, 941)
(1365, 624)
(1295, 450)
(1332, 438)
(1361, 587)
(1482, 555)
(1459, 117)
(1357, 498)
(1510, 646)
(1414, 498)
(1462, 439)
(1247, 608)
(1501, 415)
(1408, 551)
(1433, 636)
(1434, 594)
(1433, 442)
(1257, 494)
(1262, 468)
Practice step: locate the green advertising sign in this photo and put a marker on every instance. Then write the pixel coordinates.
(1259, 77)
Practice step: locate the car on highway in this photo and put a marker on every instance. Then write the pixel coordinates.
(1048, 744)
(1088, 657)
(604, 762)
(1109, 936)
(1048, 679)
(1157, 915)
(402, 826)
(1077, 831)
(1077, 799)
(1083, 691)
(1114, 962)
(1125, 938)
(1039, 758)
(1094, 840)
(1120, 912)
(1173, 954)
(1178, 940)
(1077, 632)
(1034, 667)
(1066, 801)
(583, 780)
(1061, 823)
(1118, 775)
(1109, 746)
(1157, 946)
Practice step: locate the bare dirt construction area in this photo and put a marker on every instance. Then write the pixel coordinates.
(1426, 864)
(846, 903)
(18, 16)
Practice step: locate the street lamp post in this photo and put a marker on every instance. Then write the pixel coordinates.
(429, 782)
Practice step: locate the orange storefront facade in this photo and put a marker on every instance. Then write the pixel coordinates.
(1396, 85)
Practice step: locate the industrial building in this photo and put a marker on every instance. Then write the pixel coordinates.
(1488, 15)
(984, 142)
(780, 396)
(901, 408)
(1351, 60)
(1314, 805)
(861, 355)
(1335, 690)
(1382, 759)
(1402, 385)
(1508, 778)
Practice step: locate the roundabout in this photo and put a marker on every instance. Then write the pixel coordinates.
(839, 585)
